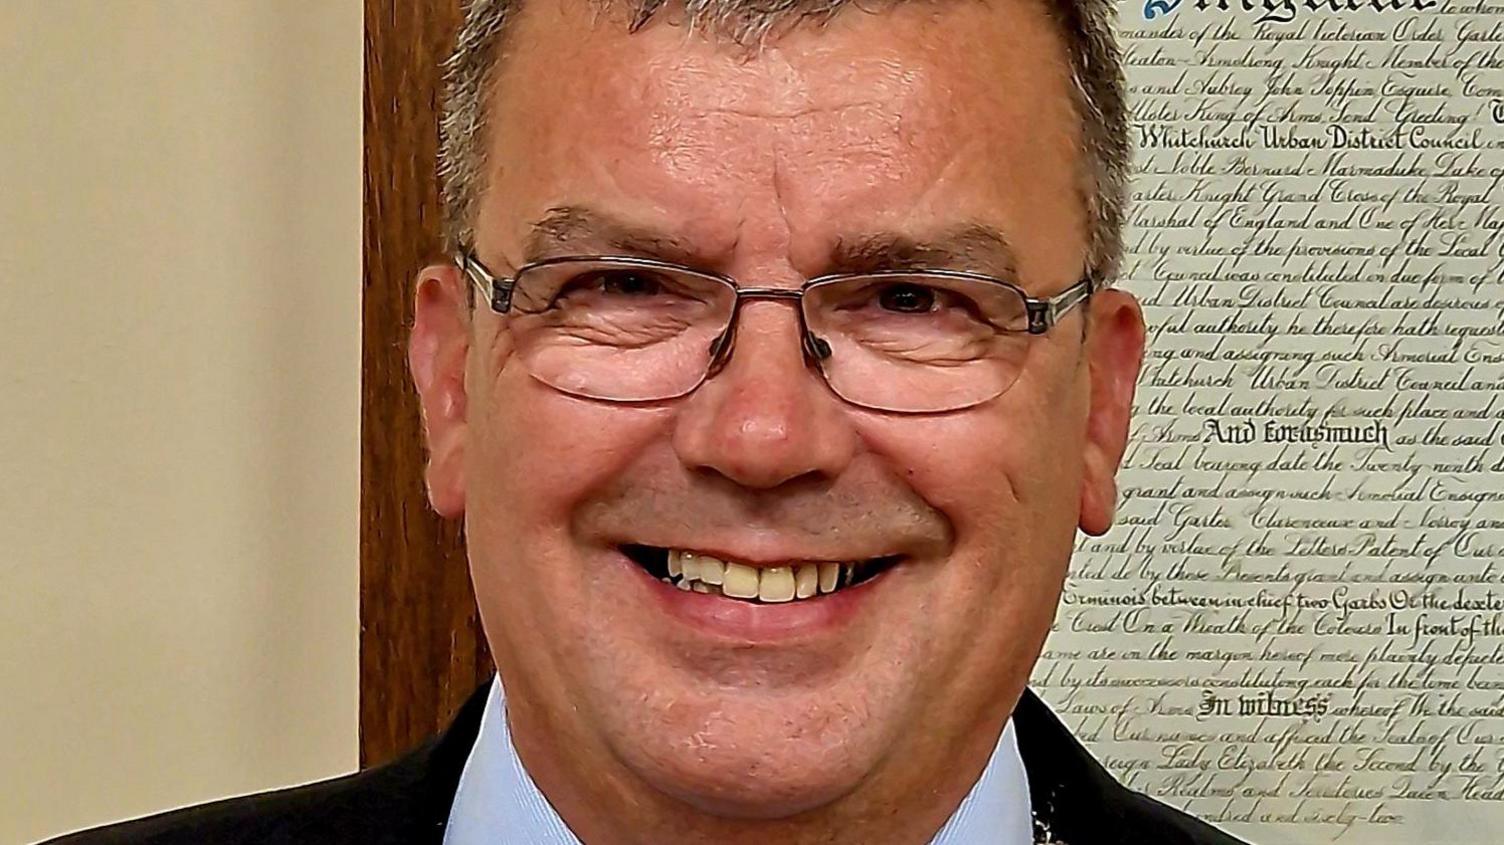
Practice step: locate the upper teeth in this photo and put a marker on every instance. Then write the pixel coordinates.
(704, 573)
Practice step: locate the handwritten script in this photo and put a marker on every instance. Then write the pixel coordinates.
(1296, 628)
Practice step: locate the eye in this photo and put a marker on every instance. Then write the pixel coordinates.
(907, 298)
(610, 284)
(625, 283)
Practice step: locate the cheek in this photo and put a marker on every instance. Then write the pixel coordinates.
(537, 453)
(1007, 477)
(991, 469)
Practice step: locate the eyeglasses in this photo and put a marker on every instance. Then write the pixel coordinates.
(639, 330)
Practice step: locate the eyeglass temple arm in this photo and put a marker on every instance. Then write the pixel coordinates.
(497, 292)
(1045, 313)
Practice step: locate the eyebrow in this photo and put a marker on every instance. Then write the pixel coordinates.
(969, 246)
(573, 228)
(578, 229)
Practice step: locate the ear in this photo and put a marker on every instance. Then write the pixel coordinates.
(1115, 351)
(437, 350)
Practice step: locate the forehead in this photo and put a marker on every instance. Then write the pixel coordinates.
(921, 116)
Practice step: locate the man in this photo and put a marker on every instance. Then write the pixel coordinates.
(774, 374)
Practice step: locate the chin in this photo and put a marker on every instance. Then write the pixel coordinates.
(779, 759)
(772, 783)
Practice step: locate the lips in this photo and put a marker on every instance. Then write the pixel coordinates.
(791, 581)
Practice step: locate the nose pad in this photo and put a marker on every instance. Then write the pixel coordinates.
(815, 347)
(720, 351)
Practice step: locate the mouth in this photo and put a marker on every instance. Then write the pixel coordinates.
(795, 581)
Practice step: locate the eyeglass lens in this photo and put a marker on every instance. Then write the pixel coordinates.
(908, 343)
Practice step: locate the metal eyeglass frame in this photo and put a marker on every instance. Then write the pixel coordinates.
(1042, 313)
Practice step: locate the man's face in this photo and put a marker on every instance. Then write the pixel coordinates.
(910, 123)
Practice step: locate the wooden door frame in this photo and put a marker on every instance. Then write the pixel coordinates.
(422, 650)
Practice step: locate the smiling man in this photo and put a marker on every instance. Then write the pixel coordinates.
(775, 371)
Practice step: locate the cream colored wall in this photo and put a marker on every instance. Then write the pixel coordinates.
(179, 378)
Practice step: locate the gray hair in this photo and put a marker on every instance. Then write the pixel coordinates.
(1085, 27)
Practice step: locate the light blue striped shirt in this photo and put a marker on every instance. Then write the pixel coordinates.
(497, 801)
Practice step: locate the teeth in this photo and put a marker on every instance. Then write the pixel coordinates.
(712, 570)
(806, 580)
(777, 584)
(830, 573)
(774, 584)
(740, 582)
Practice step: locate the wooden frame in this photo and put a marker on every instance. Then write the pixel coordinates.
(422, 650)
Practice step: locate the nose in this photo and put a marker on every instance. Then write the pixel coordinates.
(766, 418)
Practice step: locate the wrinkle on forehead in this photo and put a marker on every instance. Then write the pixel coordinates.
(775, 87)
(772, 159)
(766, 114)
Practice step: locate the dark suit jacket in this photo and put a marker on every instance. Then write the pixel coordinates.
(406, 802)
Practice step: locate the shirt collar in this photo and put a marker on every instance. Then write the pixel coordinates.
(496, 795)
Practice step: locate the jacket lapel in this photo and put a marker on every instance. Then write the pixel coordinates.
(408, 800)
(1077, 802)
